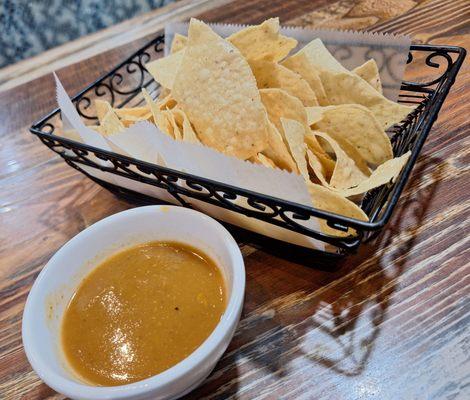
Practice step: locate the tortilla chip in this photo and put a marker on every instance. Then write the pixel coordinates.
(159, 118)
(328, 164)
(317, 168)
(102, 107)
(183, 121)
(164, 69)
(384, 173)
(132, 111)
(300, 64)
(111, 124)
(277, 150)
(216, 89)
(269, 74)
(266, 161)
(294, 132)
(279, 103)
(314, 114)
(370, 73)
(327, 200)
(176, 130)
(165, 103)
(263, 42)
(357, 125)
(179, 43)
(346, 173)
(320, 58)
(349, 88)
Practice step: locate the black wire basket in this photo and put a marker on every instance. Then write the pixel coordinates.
(122, 87)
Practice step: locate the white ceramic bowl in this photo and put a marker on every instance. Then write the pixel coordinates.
(56, 283)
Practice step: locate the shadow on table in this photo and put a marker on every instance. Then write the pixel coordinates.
(335, 325)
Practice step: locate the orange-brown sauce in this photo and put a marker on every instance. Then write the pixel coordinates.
(140, 312)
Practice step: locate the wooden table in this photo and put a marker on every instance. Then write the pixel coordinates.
(391, 322)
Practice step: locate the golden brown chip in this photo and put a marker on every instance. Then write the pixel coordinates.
(370, 73)
(216, 89)
(294, 132)
(263, 42)
(269, 74)
(327, 200)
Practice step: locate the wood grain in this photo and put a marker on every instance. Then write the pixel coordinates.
(391, 322)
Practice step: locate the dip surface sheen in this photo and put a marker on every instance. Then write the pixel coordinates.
(140, 312)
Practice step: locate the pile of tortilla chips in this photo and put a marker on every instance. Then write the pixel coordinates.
(247, 96)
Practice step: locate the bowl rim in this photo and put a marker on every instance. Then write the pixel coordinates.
(75, 389)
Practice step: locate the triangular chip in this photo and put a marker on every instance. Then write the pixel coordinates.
(317, 168)
(183, 121)
(102, 107)
(159, 118)
(328, 164)
(320, 58)
(216, 89)
(176, 130)
(349, 88)
(357, 125)
(132, 111)
(279, 103)
(346, 173)
(300, 64)
(294, 132)
(263, 42)
(327, 200)
(385, 173)
(277, 150)
(164, 69)
(111, 124)
(314, 114)
(370, 73)
(178, 43)
(269, 74)
(266, 161)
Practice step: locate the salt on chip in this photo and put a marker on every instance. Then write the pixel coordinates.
(327, 200)
(269, 74)
(386, 172)
(179, 42)
(216, 89)
(369, 71)
(164, 69)
(357, 125)
(263, 42)
(294, 132)
(346, 173)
